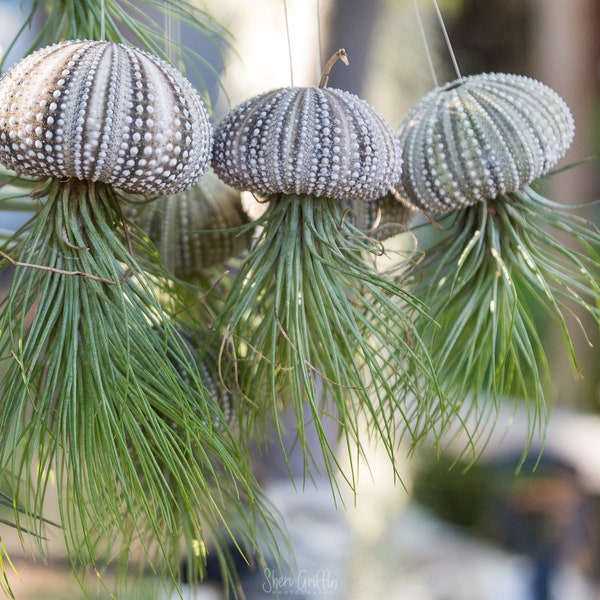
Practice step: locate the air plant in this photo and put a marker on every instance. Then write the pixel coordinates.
(93, 386)
(381, 219)
(310, 324)
(473, 150)
(123, 21)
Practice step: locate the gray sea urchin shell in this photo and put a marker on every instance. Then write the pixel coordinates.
(479, 137)
(186, 227)
(321, 142)
(100, 111)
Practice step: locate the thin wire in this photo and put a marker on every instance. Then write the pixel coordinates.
(172, 33)
(427, 49)
(102, 21)
(169, 32)
(319, 47)
(447, 39)
(289, 42)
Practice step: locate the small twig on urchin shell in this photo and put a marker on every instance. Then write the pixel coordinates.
(339, 55)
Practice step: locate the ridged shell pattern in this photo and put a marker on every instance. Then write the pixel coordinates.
(179, 225)
(100, 111)
(479, 137)
(321, 142)
(209, 374)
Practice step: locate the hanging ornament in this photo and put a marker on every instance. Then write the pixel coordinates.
(474, 148)
(196, 229)
(99, 111)
(308, 317)
(92, 387)
(479, 137)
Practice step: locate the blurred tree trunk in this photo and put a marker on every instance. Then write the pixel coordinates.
(490, 35)
(565, 56)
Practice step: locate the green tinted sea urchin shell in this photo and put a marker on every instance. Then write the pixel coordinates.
(479, 137)
(196, 229)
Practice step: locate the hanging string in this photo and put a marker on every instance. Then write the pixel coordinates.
(447, 39)
(319, 47)
(168, 33)
(102, 22)
(172, 33)
(426, 44)
(289, 41)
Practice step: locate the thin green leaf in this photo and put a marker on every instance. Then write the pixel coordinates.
(311, 326)
(497, 267)
(93, 395)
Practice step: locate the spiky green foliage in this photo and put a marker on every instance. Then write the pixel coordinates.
(99, 390)
(8, 506)
(499, 268)
(313, 327)
(145, 24)
(14, 196)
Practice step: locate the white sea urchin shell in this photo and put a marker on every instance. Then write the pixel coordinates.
(321, 142)
(101, 111)
(479, 137)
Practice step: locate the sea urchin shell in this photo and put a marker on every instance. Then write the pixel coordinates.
(321, 142)
(100, 111)
(479, 137)
(196, 229)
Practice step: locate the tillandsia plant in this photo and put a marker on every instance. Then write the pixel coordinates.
(311, 325)
(123, 21)
(381, 219)
(99, 388)
(472, 151)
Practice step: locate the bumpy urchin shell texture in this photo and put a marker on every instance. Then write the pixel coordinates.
(100, 111)
(188, 228)
(479, 137)
(322, 142)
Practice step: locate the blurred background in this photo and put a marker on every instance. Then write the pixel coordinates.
(446, 532)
